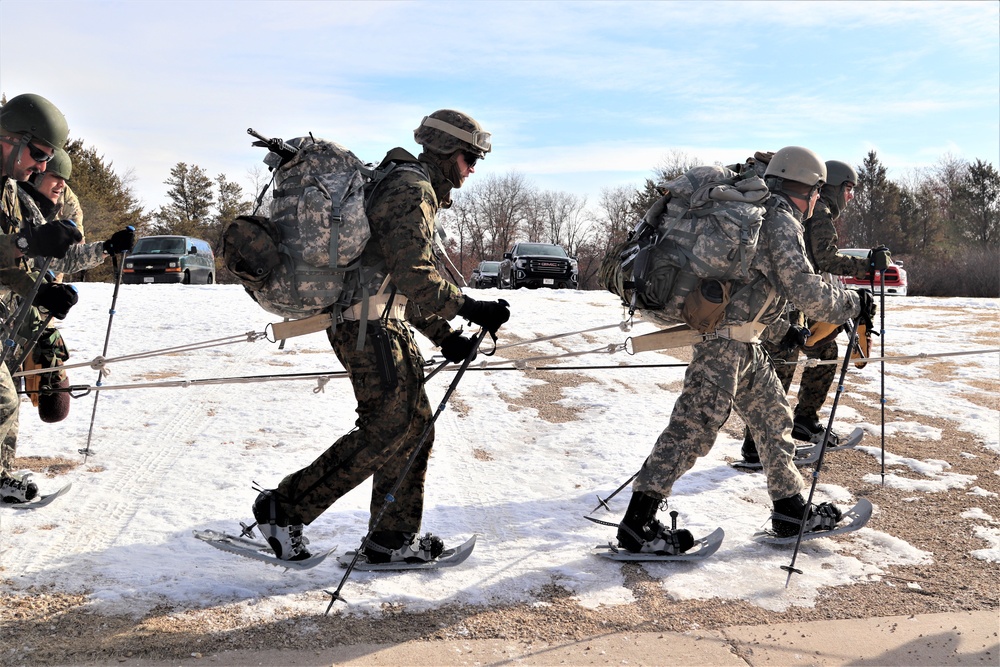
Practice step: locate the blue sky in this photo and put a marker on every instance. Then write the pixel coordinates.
(579, 95)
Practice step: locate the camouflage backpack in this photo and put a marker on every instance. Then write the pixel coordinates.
(691, 248)
(303, 259)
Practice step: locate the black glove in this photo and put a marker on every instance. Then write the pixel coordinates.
(51, 239)
(456, 348)
(867, 314)
(57, 298)
(794, 338)
(120, 241)
(879, 259)
(490, 315)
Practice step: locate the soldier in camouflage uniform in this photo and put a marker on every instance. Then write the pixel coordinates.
(55, 198)
(821, 239)
(31, 128)
(393, 408)
(733, 370)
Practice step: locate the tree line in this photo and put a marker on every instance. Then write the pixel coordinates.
(943, 222)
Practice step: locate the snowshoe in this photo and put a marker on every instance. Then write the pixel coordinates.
(17, 488)
(640, 532)
(284, 538)
(789, 512)
(389, 546)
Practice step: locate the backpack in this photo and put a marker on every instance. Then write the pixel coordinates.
(692, 247)
(303, 259)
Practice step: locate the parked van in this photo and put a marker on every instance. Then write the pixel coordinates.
(169, 259)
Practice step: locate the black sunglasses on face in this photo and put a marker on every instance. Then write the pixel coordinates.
(470, 158)
(38, 155)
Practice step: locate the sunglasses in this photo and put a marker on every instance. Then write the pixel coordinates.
(38, 155)
(470, 158)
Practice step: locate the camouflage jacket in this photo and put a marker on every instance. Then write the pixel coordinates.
(821, 241)
(781, 261)
(17, 210)
(68, 208)
(401, 213)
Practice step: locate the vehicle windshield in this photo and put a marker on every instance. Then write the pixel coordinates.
(489, 267)
(159, 246)
(540, 249)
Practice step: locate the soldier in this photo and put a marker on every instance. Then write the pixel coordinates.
(733, 370)
(821, 244)
(31, 129)
(51, 187)
(393, 408)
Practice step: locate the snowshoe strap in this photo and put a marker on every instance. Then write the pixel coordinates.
(821, 517)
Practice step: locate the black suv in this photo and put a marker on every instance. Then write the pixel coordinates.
(487, 274)
(537, 265)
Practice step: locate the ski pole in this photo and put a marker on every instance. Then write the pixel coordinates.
(390, 497)
(29, 345)
(790, 568)
(882, 264)
(86, 451)
(21, 314)
(603, 502)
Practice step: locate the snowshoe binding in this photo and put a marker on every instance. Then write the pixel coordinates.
(640, 532)
(285, 538)
(17, 488)
(807, 428)
(789, 513)
(390, 546)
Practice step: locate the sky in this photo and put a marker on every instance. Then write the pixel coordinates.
(168, 460)
(580, 96)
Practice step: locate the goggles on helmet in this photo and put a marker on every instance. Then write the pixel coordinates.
(478, 139)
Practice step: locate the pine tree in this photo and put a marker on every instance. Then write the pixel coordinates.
(191, 197)
(106, 199)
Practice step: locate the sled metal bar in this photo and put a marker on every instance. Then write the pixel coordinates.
(624, 326)
(390, 497)
(853, 336)
(905, 357)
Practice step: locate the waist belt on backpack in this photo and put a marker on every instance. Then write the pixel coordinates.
(683, 335)
(376, 305)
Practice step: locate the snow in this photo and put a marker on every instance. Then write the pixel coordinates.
(172, 459)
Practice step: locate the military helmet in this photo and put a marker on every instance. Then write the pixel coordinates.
(838, 173)
(60, 165)
(34, 115)
(446, 131)
(795, 163)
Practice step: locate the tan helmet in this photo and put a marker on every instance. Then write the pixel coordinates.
(838, 173)
(446, 131)
(60, 165)
(795, 163)
(33, 115)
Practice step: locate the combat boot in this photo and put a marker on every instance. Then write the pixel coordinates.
(790, 512)
(640, 532)
(284, 538)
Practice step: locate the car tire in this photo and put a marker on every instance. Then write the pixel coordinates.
(210, 279)
(187, 278)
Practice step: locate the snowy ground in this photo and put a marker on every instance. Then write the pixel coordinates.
(171, 460)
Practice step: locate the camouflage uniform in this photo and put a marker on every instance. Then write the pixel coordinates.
(16, 210)
(68, 208)
(724, 373)
(821, 243)
(390, 422)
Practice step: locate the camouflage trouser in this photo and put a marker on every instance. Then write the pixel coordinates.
(388, 428)
(721, 375)
(816, 380)
(9, 405)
